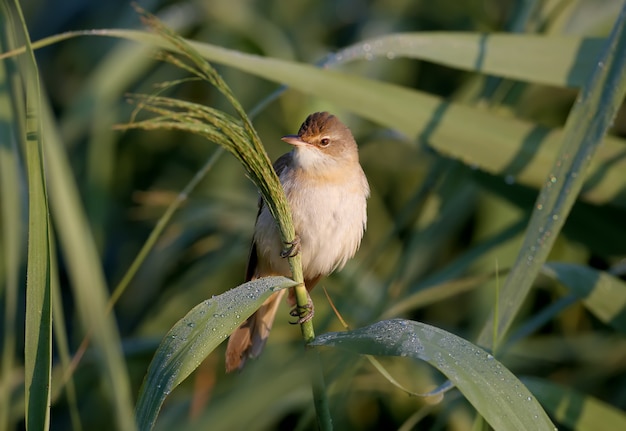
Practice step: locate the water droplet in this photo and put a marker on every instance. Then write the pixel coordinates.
(539, 207)
(191, 324)
(489, 356)
(555, 217)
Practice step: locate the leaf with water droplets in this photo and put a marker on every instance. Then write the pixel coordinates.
(196, 335)
(547, 59)
(491, 388)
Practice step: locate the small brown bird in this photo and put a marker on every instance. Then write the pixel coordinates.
(327, 192)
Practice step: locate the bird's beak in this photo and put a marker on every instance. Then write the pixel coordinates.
(294, 140)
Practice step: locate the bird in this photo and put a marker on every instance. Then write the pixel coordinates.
(327, 192)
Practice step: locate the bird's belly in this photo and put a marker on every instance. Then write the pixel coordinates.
(329, 221)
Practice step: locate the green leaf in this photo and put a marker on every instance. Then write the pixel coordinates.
(491, 388)
(603, 294)
(196, 335)
(560, 60)
(587, 124)
(496, 144)
(525, 151)
(38, 325)
(12, 238)
(574, 409)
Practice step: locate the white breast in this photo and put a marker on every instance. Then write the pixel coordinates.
(329, 216)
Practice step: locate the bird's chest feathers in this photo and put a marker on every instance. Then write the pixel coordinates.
(329, 214)
(316, 204)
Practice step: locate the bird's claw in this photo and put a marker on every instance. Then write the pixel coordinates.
(304, 313)
(291, 248)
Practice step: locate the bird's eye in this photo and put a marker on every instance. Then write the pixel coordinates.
(324, 142)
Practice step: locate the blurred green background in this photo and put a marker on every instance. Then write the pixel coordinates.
(441, 231)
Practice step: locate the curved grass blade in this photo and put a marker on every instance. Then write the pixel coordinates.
(574, 409)
(587, 124)
(525, 151)
(12, 232)
(196, 335)
(38, 331)
(559, 60)
(603, 294)
(491, 388)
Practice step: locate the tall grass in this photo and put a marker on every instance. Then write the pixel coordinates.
(495, 224)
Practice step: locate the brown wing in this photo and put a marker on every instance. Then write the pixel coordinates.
(248, 340)
(279, 166)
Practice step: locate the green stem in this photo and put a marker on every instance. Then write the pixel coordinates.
(320, 399)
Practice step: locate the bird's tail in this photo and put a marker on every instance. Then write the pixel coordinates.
(249, 339)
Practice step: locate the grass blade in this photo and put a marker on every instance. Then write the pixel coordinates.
(587, 124)
(196, 335)
(38, 333)
(11, 229)
(491, 388)
(560, 60)
(525, 150)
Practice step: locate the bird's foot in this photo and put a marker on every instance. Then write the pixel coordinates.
(291, 248)
(304, 313)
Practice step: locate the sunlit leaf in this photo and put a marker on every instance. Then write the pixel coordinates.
(12, 236)
(491, 388)
(525, 151)
(588, 122)
(38, 325)
(561, 60)
(195, 336)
